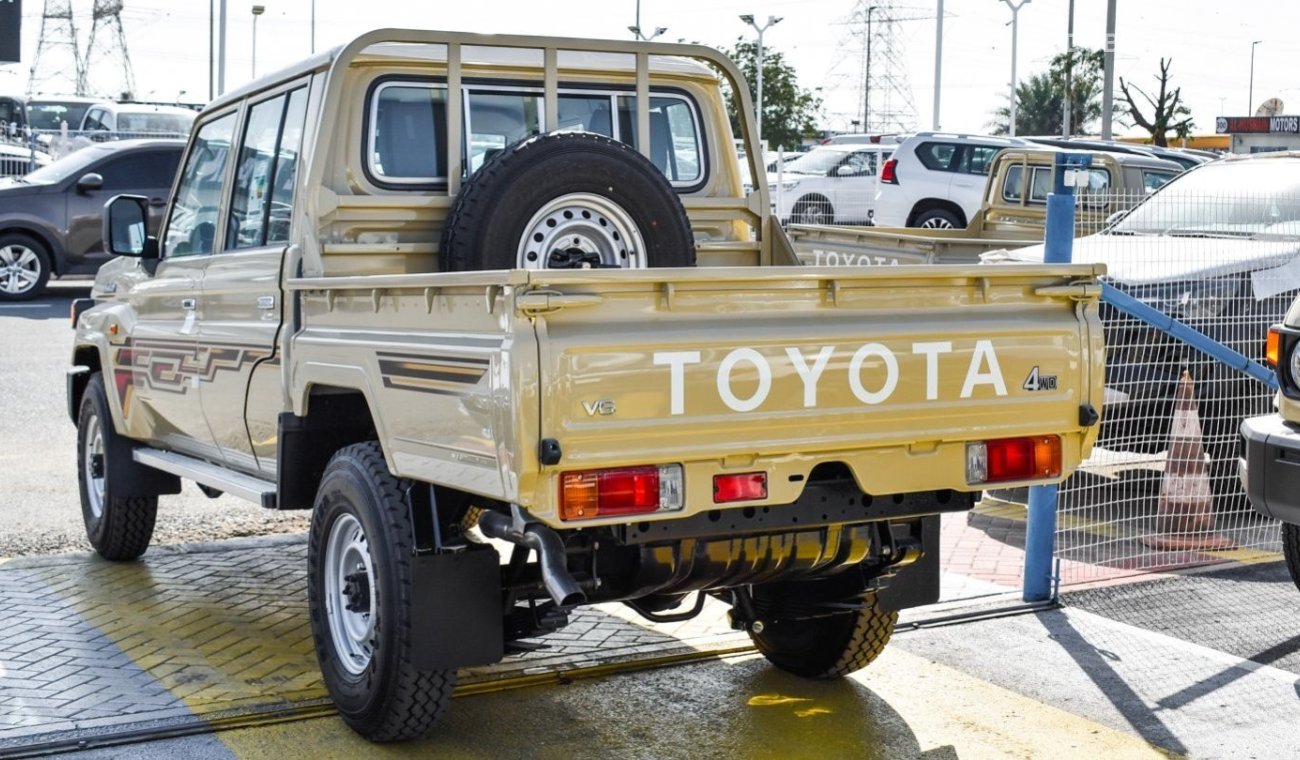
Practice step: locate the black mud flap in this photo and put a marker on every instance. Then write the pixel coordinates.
(918, 583)
(456, 617)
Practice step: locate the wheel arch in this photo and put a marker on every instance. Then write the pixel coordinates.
(37, 232)
(86, 361)
(929, 204)
(332, 417)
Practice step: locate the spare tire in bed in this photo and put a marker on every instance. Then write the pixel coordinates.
(565, 201)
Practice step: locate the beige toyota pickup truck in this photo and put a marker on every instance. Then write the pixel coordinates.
(443, 288)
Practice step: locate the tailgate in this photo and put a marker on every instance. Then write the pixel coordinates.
(888, 371)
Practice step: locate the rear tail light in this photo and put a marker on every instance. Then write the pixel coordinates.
(1009, 459)
(1273, 348)
(749, 486)
(588, 494)
(889, 172)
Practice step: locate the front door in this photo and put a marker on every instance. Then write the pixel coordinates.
(147, 172)
(242, 300)
(160, 367)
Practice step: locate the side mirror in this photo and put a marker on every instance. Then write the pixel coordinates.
(125, 232)
(89, 182)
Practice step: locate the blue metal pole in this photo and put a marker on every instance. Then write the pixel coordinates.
(1040, 527)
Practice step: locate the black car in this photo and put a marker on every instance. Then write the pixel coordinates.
(50, 219)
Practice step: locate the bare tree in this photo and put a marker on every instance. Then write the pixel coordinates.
(1169, 112)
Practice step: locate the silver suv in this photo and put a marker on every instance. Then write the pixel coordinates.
(936, 179)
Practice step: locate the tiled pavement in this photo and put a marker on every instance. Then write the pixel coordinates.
(207, 632)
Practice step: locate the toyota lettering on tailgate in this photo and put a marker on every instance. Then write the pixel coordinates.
(810, 365)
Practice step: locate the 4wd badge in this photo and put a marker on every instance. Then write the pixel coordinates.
(1039, 382)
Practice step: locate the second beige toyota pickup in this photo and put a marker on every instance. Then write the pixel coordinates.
(441, 287)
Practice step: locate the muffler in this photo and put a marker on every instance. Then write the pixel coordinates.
(517, 529)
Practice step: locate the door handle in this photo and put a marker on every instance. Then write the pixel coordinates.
(188, 304)
(266, 302)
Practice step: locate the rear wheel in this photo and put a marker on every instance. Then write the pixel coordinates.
(118, 527)
(359, 598)
(1291, 550)
(24, 267)
(830, 646)
(571, 200)
(938, 219)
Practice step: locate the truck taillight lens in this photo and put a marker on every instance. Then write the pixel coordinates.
(889, 172)
(748, 486)
(1273, 348)
(587, 494)
(1009, 459)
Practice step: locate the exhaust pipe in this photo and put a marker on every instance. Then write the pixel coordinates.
(556, 578)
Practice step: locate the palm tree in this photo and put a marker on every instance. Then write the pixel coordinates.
(1038, 108)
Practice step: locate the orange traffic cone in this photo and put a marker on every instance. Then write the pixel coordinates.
(1185, 515)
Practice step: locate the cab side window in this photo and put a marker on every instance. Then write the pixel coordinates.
(192, 226)
(262, 199)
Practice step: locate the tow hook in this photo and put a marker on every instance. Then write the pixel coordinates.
(742, 616)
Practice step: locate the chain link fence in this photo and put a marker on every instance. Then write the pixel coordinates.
(1228, 266)
(23, 151)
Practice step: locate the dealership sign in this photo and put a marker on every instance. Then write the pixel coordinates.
(11, 22)
(1276, 125)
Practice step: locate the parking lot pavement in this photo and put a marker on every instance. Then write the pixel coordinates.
(204, 635)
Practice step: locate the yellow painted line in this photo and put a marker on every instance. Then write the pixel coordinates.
(1246, 556)
(901, 706)
(1005, 510)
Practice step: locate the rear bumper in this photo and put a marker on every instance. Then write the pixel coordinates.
(1270, 466)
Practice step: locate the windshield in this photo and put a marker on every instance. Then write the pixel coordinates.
(154, 122)
(818, 161)
(50, 114)
(1238, 199)
(69, 165)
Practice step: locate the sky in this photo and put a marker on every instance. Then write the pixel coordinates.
(1210, 44)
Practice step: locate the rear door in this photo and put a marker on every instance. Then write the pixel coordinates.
(242, 301)
(970, 175)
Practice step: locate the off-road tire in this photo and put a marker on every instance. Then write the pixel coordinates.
(488, 219)
(937, 218)
(1291, 551)
(124, 526)
(827, 647)
(11, 244)
(390, 700)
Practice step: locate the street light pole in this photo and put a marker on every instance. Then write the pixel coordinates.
(938, 65)
(758, 107)
(1250, 98)
(1015, 28)
(257, 11)
(866, 84)
(636, 30)
(313, 26)
(221, 47)
(1066, 126)
(1108, 76)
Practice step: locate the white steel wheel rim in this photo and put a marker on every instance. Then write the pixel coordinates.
(20, 268)
(351, 626)
(583, 222)
(938, 223)
(93, 462)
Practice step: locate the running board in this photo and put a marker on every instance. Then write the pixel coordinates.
(213, 476)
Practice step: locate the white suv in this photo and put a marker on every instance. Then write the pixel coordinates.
(832, 184)
(936, 179)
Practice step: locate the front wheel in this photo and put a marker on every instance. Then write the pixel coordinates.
(812, 211)
(359, 598)
(118, 527)
(826, 647)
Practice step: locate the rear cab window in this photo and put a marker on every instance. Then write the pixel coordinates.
(406, 118)
(1095, 195)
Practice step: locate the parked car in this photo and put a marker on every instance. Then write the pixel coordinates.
(936, 180)
(831, 184)
(1217, 247)
(50, 219)
(17, 160)
(136, 118)
(1271, 443)
(1182, 158)
(41, 112)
